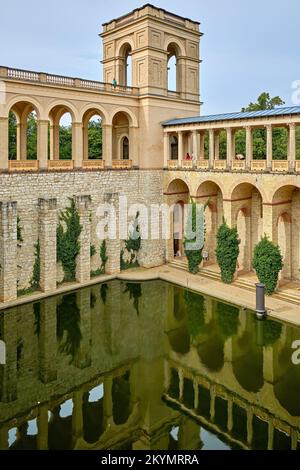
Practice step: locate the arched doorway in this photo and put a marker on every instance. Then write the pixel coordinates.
(177, 196)
(61, 133)
(210, 195)
(23, 131)
(121, 143)
(125, 72)
(247, 207)
(92, 135)
(286, 229)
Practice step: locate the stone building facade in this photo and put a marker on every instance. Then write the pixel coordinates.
(142, 157)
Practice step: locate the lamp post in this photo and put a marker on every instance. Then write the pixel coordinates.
(260, 301)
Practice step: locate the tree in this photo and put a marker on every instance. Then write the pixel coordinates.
(267, 262)
(227, 251)
(194, 242)
(264, 101)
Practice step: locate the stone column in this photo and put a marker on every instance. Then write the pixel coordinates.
(230, 147)
(54, 142)
(270, 435)
(18, 143)
(217, 145)
(249, 147)
(47, 240)
(195, 145)
(107, 402)
(181, 383)
(113, 246)
(23, 140)
(269, 146)
(134, 146)
(77, 144)
(83, 354)
(211, 147)
(3, 143)
(83, 262)
(249, 426)
(196, 394)
(77, 416)
(107, 144)
(202, 146)
(42, 144)
(48, 341)
(42, 424)
(3, 438)
(268, 221)
(166, 149)
(230, 415)
(292, 147)
(180, 148)
(212, 403)
(8, 251)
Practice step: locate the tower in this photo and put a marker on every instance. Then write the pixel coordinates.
(150, 37)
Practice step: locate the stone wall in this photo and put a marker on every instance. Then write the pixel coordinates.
(39, 199)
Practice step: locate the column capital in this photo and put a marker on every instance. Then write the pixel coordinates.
(42, 121)
(47, 204)
(269, 127)
(292, 125)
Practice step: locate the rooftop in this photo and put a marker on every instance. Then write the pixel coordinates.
(151, 6)
(234, 116)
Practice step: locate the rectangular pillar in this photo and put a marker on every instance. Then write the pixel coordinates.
(180, 148)
(3, 143)
(42, 144)
(202, 146)
(134, 146)
(166, 149)
(42, 423)
(269, 146)
(48, 341)
(113, 245)
(107, 145)
(47, 240)
(83, 262)
(217, 145)
(292, 147)
(211, 147)
(230, 147)
(249, 147)
(77, 416)
(77, 144)
(83, 353)
(8, 251)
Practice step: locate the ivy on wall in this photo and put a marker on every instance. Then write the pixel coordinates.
(132, 246)
(68, 244)
(227, 251)
(267, 262)
(104, 259)
(36, 274)
(195, 308)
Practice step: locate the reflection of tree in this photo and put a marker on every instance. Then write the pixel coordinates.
(228, 319)
(103, 292)
(271, 332)
(37, 318)
(68, 321)
(135, 292)
(195, 308)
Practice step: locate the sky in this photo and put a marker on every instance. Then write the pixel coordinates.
(248, 46)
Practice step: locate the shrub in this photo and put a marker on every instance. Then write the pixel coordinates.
(267, 262)
(227, 251)
(196, 237)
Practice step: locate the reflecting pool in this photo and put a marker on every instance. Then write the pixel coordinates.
(146, 366)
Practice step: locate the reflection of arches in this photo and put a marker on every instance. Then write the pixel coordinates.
(93, 416)
(121, 398)
(211, 352)
(287, 389)
(92, 121)
(61, 135)
(210, 195)
(179, 340)
(23, 131)
(60, 431)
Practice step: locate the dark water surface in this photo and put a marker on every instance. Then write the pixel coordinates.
(146, 366)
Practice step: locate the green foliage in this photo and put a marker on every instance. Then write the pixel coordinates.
(132, 246)
(92, 250)
(227, 251)
(19, 230)
(194, 256)
(12, 127)
(271, 332)
(228, 319)
(267, 262)
(264, 101)
(95, 139)
(68, 245)
(195, 308)
(103, 256)
(135, 293)
(32, 137)
(68, 325)
(36, 275)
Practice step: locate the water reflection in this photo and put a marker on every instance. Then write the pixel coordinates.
(146, 366)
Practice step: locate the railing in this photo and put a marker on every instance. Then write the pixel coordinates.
(172, 164)
(121, 164)
(258, 165)
(187, 164)
(220, 164)
(60, 80)
(238, 165)
(62, 165)
(93, 164)
(203, 164)
(20, 165)
(280, 166)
